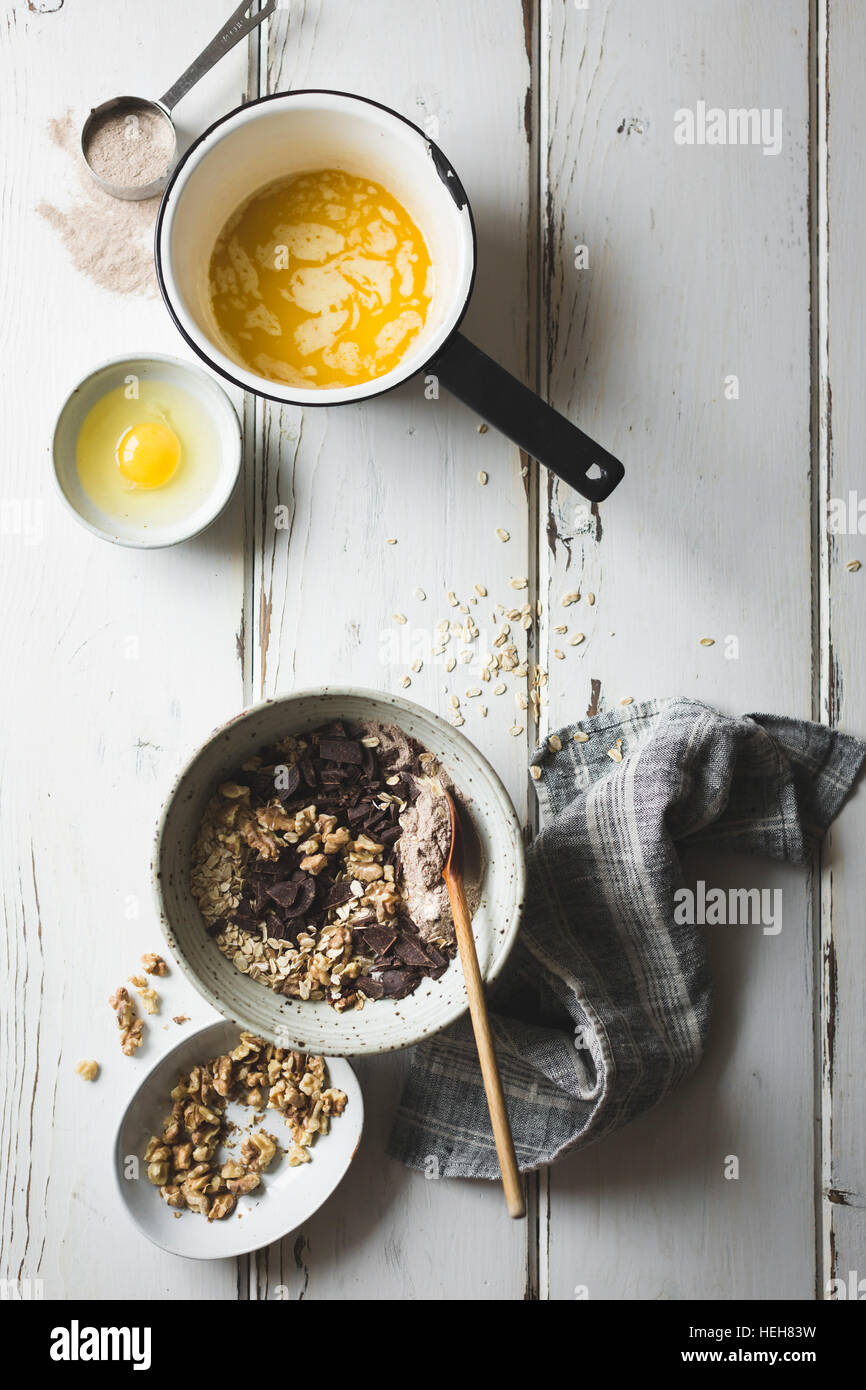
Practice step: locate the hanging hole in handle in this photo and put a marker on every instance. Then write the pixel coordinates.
(594, 472)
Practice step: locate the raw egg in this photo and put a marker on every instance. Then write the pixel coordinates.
(148, 453)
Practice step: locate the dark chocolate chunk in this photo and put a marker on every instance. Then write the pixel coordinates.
(374, 989)
(275, 926)
(284, 893)
(379, 940)
(336, 729)
(340, 750)
(398, 983)
(304, 900)
(308, 770)
(290, 775)
(335, 894)
(411, 952)
(258, 893)
(333, 776)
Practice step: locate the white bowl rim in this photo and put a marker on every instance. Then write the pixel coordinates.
(234, 372)
(461, 1007)
(179, 364)
(184, 1043)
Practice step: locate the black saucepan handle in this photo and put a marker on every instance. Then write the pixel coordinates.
(530, 422)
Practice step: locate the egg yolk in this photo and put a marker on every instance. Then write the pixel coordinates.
(148, 454)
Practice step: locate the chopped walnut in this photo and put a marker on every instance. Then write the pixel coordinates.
(154, 964)
(150, 1000)
(88, 1069)
(130, 1025)
(221, 1206)
(183, 1161)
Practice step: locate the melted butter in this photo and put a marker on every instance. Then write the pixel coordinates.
(322, 279)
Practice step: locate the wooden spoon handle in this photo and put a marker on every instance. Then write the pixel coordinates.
(511, 1180)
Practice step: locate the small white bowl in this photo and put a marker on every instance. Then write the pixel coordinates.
(384, 1024)
(105, 378)
(287, 1196)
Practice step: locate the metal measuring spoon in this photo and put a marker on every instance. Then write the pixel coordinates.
(133, 108)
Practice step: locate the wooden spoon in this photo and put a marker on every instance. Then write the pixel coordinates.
(453, 876)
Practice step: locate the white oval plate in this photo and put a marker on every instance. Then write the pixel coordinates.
(286, 1197)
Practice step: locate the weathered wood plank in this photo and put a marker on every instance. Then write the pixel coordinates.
(115, 664)
(327, 585)
(841, 204)
(698, 271)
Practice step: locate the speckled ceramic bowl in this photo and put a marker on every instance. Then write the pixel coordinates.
(385, 1024)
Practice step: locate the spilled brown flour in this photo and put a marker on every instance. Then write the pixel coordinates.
(108, 240)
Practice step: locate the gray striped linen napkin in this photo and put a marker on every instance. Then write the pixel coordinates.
(605, 1003)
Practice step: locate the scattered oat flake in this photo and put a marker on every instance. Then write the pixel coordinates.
(452, 598)
(471, 694)
(400, 618)
(482, 428)
(499, 689)
(454, 702)
(568, 599)
(450, 663)
(392, 540)
(482, 478)
(560, 656)
(629, 700)
(406, 682)
(516, 730)
(457, 720)
(519, 582)
(554, 743)
(590, 598)
(580, 737)
(853, 566)
(535, 771)
(576, 640)
(503, 534)
(420, 595)
(482, 710)
(708, 641)
(615, 754)
(416, 665)
(480, 590)
(561, 628)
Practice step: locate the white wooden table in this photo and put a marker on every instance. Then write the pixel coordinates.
(703, 263)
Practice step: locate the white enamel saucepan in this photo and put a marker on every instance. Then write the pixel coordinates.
(296, 132)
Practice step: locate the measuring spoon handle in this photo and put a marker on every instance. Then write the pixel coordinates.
(231, 33)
